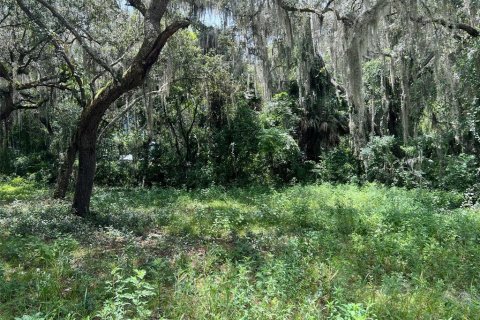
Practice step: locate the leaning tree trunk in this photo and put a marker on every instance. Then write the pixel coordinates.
(66, 169)
(92, 115)
(86, 136)
(154, 40)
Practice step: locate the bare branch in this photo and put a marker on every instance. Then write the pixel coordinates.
(45, 81)
(31, 106)
(329, 3)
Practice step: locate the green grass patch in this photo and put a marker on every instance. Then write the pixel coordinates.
(303, 252)
(18, 189)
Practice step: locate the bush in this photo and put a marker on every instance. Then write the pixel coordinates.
(129, 297)
(379, 161)
(460, 173)
(337, 166)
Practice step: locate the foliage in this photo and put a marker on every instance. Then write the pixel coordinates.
(200, 209)
(129, 297)
(281, 112)
(460, 172)
(250, 104)
(337, 166)
(319, 251)
(415, 166)
(16, 189)
(379, 160)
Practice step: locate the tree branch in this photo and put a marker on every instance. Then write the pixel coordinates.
(45, 81)
(470, 30)
(319, 13)
(4, 73)
(90, 51)
(162, 39)
(155, 12)
(5, 17)
(31, 106)
(59, 48)
(153, 43)
(9, 106)
(139, 5)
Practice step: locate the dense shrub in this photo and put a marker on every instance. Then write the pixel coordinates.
(337, 166)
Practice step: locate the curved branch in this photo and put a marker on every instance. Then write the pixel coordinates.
(9, 106)
(162, 39)
(45, 81)
(319, 13)
(139, 5)
(470, 30)
(90, 51)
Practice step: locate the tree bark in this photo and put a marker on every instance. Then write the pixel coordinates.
(84, 141)
(92, 115)
(86, 173)
(8, 106)
(66, 169)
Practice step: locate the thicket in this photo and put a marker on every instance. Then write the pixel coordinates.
(259, 145)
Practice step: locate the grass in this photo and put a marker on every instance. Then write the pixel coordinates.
(18, 189)
(303, 252)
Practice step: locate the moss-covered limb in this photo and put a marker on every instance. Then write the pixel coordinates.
(57, 43)
(470, 30)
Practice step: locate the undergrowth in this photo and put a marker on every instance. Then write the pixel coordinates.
(303, 252)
